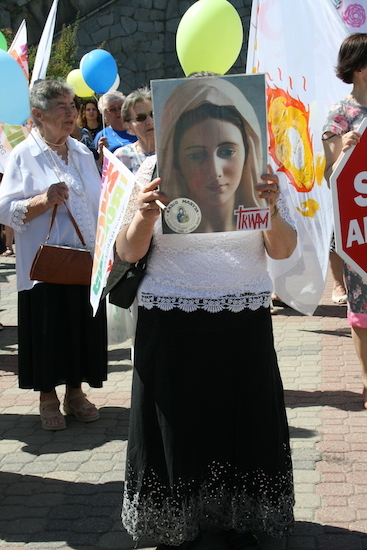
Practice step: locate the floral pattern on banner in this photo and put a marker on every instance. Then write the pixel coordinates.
(353, 14)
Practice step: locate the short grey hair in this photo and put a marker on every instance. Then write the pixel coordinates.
(132, 99)
(109, 97)
(44, 91)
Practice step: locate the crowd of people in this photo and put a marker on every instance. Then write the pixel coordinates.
(208, 286)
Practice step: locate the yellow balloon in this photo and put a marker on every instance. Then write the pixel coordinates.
(77, 82)
(209, 37)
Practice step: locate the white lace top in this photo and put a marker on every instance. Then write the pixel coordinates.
(211, 271)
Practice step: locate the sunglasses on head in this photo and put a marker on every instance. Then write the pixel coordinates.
(141, 117)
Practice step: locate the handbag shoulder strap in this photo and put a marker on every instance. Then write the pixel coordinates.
(52, 219)
(53, 216)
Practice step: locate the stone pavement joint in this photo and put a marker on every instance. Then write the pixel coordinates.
(63, 490)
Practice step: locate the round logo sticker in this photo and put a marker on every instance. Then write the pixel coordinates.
(182, 215)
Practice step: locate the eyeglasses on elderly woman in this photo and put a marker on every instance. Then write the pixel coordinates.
(114, 110)
(141, 117)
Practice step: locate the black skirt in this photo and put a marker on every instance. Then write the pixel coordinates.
(208, 437)
(60, 342)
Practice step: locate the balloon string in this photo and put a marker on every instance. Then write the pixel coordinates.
(103, 117)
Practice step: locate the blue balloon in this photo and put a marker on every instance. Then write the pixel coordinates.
(14, 96)
(99, 70)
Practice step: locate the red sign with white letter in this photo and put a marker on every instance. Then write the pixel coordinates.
(349, 193)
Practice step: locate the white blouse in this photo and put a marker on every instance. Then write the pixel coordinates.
(211, 271)
(29, 172)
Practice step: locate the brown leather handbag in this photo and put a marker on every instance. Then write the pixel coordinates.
(62, 264)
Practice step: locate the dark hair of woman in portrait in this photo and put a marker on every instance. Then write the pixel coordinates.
(60, 342)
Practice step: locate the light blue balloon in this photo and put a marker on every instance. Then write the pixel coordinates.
(99, 70)
(14, 96)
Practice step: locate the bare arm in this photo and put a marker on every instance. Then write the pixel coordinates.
(281, 239)
(334, 146)
(133, 241)
(57, 193)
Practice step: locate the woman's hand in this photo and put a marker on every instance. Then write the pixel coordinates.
(350, 139)
(280, 241)
(102, 142)
(57, 193)
(334, 147)
(270, 189)
(147, 206)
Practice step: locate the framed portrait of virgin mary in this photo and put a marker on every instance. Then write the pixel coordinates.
(211, 142)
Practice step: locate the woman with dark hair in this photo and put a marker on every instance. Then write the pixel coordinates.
(352, 57)
(89, 117)
(83, 135)
(208, 436)
(340, 133)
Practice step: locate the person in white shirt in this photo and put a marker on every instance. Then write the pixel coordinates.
(60, 342)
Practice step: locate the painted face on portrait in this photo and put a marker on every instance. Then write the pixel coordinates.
(211, 158)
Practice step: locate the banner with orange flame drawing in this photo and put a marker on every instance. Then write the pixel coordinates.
(295, 43)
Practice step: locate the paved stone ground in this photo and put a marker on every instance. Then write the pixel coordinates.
(62, 490)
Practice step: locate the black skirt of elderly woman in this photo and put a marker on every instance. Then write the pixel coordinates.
(60, 342)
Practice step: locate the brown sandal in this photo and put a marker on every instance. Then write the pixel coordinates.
(80, 413)
(45, 416)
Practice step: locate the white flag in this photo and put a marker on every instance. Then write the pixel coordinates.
(44, 46)
(19, 48)
(296, 43)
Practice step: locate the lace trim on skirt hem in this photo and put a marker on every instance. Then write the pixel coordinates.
(172, 516)
(233, 303)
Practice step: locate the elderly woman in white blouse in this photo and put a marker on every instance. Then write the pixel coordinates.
(60, 342)
(208, 437)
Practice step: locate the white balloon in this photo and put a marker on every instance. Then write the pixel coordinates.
(81, 61)
(116, 84)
